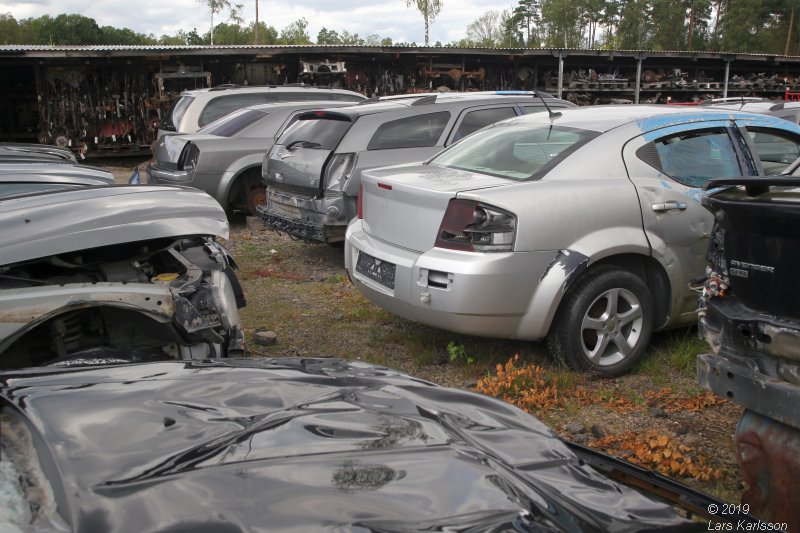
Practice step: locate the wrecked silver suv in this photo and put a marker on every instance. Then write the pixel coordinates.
(135, 271)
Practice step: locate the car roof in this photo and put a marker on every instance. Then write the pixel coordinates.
(648, 117)
(222, 89)
(299, 104)
(52, 168)
(426, 100)
(34, 152)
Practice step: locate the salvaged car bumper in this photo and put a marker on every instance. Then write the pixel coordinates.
(511, 295)
(318, 219)
(756, 360)
(162, 176)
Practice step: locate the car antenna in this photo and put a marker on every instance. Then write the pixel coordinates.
(550, 112)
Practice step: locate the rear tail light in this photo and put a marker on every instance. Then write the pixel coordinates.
(361, 201)
(474, 227)
(189, 156)
(338, 169)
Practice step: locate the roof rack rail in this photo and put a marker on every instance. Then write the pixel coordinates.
(733, 100)
(224, 87)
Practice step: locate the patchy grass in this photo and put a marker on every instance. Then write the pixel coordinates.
(676, 350)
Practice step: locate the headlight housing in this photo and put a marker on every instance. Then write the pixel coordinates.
(224, 298)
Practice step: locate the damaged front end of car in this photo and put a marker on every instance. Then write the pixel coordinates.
(127, 273)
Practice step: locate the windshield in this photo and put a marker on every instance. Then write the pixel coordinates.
(514, 150)
(323, 130)
(175, 114)
(233, 123)
(24, 489)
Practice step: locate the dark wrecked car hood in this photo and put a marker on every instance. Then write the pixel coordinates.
(53, 223)
(304, 445)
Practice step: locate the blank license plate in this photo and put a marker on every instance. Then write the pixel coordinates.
(376, 269)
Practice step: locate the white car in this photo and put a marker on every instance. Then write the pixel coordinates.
(194, 109)
(583, 227)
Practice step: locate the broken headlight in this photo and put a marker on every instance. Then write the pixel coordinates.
(224, 299)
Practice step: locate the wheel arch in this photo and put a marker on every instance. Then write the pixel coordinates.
(654, 276)
(239, 183)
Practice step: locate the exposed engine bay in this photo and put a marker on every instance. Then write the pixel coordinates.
(166, 298)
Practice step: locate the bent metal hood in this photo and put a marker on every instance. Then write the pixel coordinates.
(47, 224)
(304, 445)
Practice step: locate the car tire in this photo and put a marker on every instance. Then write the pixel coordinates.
(604, 323)
(255, 197)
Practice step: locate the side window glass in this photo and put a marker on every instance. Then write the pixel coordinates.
(694, 157)
(222, 105)
(775, 149)
(475, 120)
(411, 132)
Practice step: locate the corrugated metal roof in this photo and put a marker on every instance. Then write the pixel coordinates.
(47, 49)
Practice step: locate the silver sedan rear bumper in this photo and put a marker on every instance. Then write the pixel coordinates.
(484, 294)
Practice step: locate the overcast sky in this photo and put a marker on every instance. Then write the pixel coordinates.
(387, 18)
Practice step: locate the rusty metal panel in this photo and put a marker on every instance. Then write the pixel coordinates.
(769, 458)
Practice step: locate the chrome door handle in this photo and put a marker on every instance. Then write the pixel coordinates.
(668, 206)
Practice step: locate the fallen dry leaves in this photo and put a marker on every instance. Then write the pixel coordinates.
(671, 402)
(657, 451)
(532, 388)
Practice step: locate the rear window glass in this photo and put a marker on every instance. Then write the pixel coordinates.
(324, 131)
(222, 105)
(173, 118)
(411, 132)
(475, 120)
(233, 123)
(514, 151)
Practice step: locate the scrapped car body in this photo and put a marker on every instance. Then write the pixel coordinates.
(224, 158)
(196, 108)
(133, 269)
(24, 178)
(25, 152)
(750, 316)
(299, 445)
(583, 228)
(313, 172)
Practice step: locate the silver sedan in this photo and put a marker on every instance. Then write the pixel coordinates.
(582, 227)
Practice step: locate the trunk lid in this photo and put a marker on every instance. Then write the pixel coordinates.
(404, 205)
(297, 160)
(168, 148)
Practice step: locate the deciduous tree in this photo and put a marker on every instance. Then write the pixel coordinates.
(429, 9)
